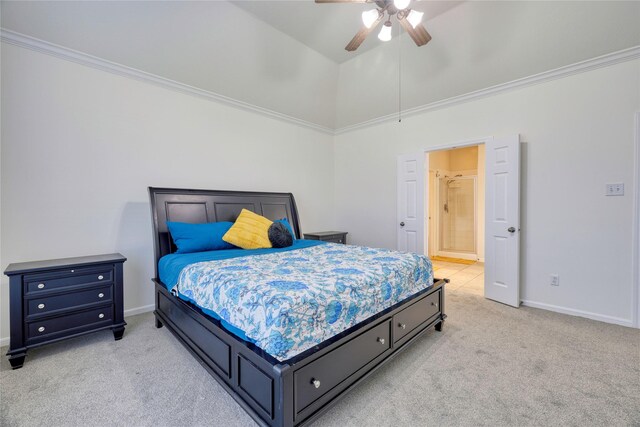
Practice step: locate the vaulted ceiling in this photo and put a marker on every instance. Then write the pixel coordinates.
(288, 56)
(327, 28)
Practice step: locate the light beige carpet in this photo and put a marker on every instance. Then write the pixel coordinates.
(492, 365)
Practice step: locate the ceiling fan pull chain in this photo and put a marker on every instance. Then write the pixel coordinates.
(399, 75)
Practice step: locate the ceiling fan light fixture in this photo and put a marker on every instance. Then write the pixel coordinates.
(401, 4)
(385, 32)
(369, 17)
(415, 18)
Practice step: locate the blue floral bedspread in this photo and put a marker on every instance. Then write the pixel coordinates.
(291, 301)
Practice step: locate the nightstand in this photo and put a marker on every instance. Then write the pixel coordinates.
(328, 236)
(63, 298)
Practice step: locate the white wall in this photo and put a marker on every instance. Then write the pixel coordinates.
(80, 146)
(578, 134)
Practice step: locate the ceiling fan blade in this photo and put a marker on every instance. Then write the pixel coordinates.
(419, 34)
(357, 40)
(343, 1)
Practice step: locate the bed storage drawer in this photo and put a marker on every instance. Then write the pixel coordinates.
(314, 380)
(415, 315)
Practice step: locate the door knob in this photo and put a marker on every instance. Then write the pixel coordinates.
(511, 230)
(402, 224)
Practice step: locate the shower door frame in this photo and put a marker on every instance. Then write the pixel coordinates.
(438, 240)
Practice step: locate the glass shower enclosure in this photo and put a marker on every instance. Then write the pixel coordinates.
(457, 207)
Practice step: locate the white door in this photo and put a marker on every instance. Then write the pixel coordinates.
(411, 192)
(502, 220)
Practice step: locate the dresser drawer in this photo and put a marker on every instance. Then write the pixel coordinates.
(43, 304)
(68, 278)
(335, 239)
(414, 315)
(37, 329)
(312, 381)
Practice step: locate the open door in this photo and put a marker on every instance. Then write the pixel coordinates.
(410, 221)
(502, 220)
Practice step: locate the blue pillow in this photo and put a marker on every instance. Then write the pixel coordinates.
(286, 224)
(199, 237)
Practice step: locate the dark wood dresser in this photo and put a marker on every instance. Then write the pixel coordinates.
(328, 236)
(63, 298)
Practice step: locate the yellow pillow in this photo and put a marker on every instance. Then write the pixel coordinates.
(250, 231)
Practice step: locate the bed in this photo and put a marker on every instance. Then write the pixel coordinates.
(281, 386)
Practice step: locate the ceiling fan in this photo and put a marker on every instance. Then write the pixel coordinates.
(408, 18)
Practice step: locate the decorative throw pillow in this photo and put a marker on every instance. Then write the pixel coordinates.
(279, 235)
(250, 231)
(286, 224)
(199, 237)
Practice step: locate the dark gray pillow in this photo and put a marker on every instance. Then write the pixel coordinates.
(279, 235)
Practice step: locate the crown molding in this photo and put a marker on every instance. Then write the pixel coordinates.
(72, 55)
(82, 58)
(546, 76)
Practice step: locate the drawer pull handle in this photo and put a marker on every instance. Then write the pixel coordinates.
(101, 315)
(41, 329)
(40, 285)
(315, 382)
(40, 306)
(402, 325)
(100, 295)
(100, 277)
(381, 340)
(435, 304)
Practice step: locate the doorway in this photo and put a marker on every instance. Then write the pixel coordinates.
(497, 223)
(454, 233)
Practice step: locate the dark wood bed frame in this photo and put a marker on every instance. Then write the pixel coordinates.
(299, 390)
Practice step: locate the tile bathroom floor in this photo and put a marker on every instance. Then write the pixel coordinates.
(463, 277)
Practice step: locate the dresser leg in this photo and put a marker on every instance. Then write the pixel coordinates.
(439, 326)
(17, 360)
(118, 332)
(158, 323)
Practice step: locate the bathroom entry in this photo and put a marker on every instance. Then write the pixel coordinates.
(456, 203)
(497, 222)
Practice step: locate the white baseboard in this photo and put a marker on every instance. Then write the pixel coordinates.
(139, 310)
(579, 313)
(555, 308)
(131, 312)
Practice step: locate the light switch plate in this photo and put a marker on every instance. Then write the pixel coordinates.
(616, 189)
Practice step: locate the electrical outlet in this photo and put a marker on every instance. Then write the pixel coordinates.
(616, 189)
(555, 280)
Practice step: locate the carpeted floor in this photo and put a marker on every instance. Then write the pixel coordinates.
(492, 365)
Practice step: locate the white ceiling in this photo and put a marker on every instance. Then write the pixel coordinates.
(265, 53)
(327, 28)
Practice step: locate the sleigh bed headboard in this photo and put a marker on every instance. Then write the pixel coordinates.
(200, 206)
